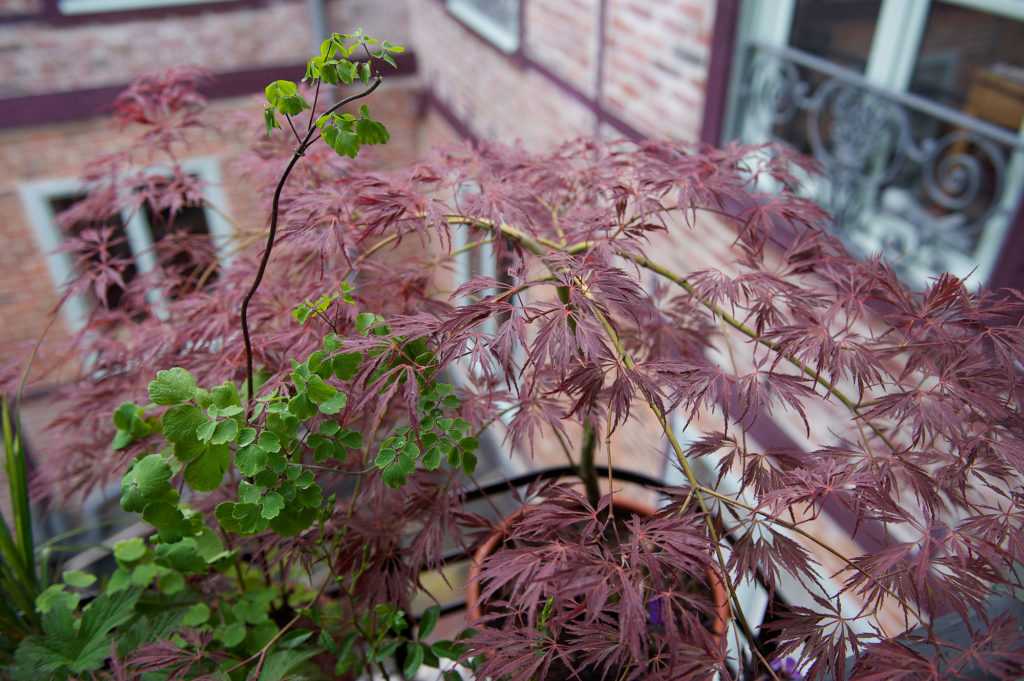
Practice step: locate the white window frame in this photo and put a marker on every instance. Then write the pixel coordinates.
(77, 7)
(502, 37)
(891, 61)
(462, 236)
(37, 195)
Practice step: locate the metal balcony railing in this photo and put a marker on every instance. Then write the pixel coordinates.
(929, 187)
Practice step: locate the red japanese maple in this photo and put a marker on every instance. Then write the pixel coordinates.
(587, 324)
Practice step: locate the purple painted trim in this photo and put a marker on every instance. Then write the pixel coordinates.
(52, 13)
(74, 105)
(1009, 269)
(431, 102)
(18, 18)
(716, 95)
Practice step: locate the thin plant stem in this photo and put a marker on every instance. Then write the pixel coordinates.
(272, 235)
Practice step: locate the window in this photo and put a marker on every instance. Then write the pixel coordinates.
(914, 110)
(71, 7)
(136, 236)
(496, 20)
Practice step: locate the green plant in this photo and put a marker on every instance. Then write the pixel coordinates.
(297, 506)
(257, 458)
(21, 572)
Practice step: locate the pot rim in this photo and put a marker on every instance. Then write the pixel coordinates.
(719, 594)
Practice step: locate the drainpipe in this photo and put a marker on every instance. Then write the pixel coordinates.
(317, 22)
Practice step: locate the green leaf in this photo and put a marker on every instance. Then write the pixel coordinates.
(230, 634)
(302, 407)
(413, 660)
(167, 519)
(370, 131)
(270, 120)
(56, 596)
(272, 505)
(335, 404)
(183, 556)
(346, 365)
(342, 139)
(182, 423)
(352, 439)
(449, 650)
(251, 460)
(107, 612)
(432, 458)
(171, 583)
(329, 428)
(269, 442)
(206, 430)
(246, 437)
(206, 472)
(172, 386)
(196, 615)
(144, 573)
(145, 482)
(365, 320)
(225, 432)
(428, 620)
(78, 579)
(119, 581)
(121, 440)
(280, 663)
(226, 395)
(208, 544)
(319, 391)
(293, 520)
(468, 463)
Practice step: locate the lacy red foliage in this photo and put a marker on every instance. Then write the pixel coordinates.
(929, 450)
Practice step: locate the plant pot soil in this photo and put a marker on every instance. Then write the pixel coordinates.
(719, 595)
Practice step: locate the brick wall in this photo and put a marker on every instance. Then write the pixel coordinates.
(40, 57)
(484, 88)
(27, 291)
(652, 76)
(656, 61)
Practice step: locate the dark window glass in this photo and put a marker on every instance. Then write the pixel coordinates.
(184, 247)
(972, 61)
(840, 31)
(119, 246)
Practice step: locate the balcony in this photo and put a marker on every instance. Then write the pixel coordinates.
(931, 188)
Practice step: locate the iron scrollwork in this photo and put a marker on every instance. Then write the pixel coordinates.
(901, 175)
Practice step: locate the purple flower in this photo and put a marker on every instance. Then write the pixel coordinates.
(654, 612)
(788, 666)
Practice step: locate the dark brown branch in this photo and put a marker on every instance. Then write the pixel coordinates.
(299, 151)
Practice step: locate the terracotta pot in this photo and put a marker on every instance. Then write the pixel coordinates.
(719, 594)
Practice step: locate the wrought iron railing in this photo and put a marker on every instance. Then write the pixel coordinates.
(930, 187)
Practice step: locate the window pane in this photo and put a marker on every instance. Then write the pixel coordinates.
(184, 247)
(973, 61)
(837, 30)
(495, 20)
(96, 6)
(120, 249)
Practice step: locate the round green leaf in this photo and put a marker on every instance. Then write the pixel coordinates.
(78, 579)
(130, 550)
(172, 386)
(206, 472)
(196, 615)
